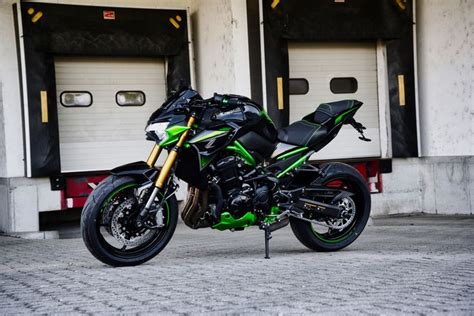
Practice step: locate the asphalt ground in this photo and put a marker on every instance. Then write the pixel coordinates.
(399, 265)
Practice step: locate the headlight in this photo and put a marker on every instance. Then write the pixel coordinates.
(158, 128)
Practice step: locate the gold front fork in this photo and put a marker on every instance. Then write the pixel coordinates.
(155, 153)
(165, 171)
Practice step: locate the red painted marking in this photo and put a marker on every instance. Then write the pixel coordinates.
(78, 189)
(335, 184)
(78, 202)
(109, 15)
(370, 169)
(63, 200)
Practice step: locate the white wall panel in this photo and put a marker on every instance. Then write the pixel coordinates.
(105, 134)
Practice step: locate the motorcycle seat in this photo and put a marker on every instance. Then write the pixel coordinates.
(331, 110)
(313, 128)
(302, 133)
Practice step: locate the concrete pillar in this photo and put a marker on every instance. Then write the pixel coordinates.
(220, 35)
(445, 72)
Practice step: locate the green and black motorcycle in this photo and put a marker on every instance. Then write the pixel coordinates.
(240, 172)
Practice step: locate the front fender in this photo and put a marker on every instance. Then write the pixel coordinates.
(138, 170)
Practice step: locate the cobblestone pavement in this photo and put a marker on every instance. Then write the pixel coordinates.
(405, 265)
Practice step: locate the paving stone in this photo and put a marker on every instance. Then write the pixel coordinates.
(398, 266)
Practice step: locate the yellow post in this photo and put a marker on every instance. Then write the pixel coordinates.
(281, 104)
(401, 90)
(44, 106)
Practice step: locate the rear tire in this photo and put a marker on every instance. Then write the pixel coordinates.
(304, 230)
(91, 222)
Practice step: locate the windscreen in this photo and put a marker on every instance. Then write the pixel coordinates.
(175, 101)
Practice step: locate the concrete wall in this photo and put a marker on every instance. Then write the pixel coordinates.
(22, 201)
(220, 26)
(445, 39)
(221, 46)
(443, 181)
(11, 105)
(442, 185)
(222, 55)
(3, 158)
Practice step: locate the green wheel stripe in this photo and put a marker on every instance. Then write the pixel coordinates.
(331, 241)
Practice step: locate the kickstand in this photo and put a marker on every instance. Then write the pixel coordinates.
(268, 236)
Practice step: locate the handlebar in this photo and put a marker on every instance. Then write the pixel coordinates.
(220, 99)
(227, 100)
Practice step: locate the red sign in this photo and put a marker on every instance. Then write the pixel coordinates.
(109, 15)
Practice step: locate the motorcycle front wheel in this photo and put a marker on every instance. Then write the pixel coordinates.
(109, 227)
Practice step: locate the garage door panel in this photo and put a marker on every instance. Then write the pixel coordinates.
(104, 135)
(319, 63)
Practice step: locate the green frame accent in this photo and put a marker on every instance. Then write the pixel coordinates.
(227, 221)
(239, 149)
(340, 117)
(204, 161)
(173, 134)
(271, 218)
(294, 165)
(265, 115)
(291, 153)
(210, 135)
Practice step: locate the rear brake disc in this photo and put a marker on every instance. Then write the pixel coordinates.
(347, 216)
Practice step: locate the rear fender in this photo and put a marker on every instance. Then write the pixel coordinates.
(138, 170)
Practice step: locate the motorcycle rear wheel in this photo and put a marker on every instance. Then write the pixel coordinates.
(348, 178)
(104, 222)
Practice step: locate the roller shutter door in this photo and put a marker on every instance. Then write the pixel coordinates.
(335, 72)
(104, 135)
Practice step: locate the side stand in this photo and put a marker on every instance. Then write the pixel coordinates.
(268, 233)
(268, 236)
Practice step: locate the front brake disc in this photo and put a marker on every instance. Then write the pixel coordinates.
(121, 229)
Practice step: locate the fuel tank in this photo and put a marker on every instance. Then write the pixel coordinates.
(257, 133)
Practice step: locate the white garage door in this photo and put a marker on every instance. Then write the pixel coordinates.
(336, 72)
(95, 132)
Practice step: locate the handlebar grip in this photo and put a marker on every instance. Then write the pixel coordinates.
(218, 98)
(226, 100)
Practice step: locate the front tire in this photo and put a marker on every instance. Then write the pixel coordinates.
(101, 239)
(348, 177)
